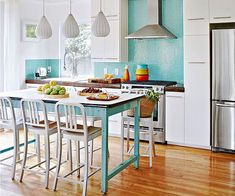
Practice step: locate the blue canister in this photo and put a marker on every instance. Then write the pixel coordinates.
(142, 66)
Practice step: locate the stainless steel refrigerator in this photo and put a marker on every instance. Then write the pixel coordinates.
(223, 89)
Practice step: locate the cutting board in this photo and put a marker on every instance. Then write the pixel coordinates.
(106, 81)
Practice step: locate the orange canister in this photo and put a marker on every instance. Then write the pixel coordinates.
(126, 75)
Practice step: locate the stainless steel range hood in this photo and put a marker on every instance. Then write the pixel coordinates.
(155, 29)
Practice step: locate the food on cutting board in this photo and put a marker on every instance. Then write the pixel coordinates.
(89, 91)
(52, 89)
(103, 97)
(108, 76)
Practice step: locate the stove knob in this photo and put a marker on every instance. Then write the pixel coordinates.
(127, 87)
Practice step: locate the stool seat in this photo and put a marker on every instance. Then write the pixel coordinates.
(93, 132)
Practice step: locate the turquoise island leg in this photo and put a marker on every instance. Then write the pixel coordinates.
(137, 135)
(104, 151)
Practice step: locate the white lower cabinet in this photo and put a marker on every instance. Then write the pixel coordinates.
(175, 131)
(115, 125)
(197, 104)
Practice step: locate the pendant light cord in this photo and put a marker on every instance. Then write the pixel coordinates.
(100, 5)
(43, 7)
(70, 6)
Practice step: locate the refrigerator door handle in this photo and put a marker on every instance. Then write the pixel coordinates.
(230, 105)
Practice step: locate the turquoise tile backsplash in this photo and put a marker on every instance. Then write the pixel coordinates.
(31, 66)
(164, 57)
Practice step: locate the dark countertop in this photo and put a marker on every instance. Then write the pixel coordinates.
(75, 84)
(175, 88)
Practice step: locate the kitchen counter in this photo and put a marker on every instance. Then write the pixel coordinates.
(75, 83)
(175, 88)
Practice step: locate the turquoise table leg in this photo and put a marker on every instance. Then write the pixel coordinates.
(137, 135)
(12, 147)
(104, 151)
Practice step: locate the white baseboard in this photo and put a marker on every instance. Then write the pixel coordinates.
(190, 145)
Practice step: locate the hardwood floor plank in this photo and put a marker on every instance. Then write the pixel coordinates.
(176, 171)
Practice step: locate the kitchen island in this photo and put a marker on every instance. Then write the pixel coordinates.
(102, 109)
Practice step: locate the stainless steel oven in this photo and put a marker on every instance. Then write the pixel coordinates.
(159, 110)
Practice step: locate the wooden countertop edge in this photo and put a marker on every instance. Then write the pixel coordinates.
(179, 89)
(76, 84)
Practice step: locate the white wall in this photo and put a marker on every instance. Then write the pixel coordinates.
(1, 42)
(56, 12)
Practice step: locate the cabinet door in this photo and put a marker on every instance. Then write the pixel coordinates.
(111, 8)
(175, 117)
(97, 48)
(111, 45)
(222, 11)
(95, 8)
(196, 49)
(197, 104)
(196, 17)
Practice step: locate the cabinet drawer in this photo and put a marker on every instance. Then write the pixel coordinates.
(197, 49)
(222, 11)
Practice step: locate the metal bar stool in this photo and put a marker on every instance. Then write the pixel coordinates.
(8, 120)
(35, 120)
(73, 131)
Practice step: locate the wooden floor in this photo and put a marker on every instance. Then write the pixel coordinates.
(176, 171)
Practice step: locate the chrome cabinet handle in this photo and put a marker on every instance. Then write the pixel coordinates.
(175, 96)
(195, 62)
(106, 16)
(222, 17)
(225, 105)
(112, 15)
(112, 58)
(191, 19)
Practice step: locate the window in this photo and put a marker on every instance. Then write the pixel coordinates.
(77, 58)
(1, 44)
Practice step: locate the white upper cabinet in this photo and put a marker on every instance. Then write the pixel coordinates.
(97, 48)
(95, 8)
(222, 11)
(196, 17)
(111, 45)
(109, 7)
(114, 47)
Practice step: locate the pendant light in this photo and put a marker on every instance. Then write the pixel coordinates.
(70, 27)
(100, 27)
(43, 30)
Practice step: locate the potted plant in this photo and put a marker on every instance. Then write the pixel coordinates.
(146, 104)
